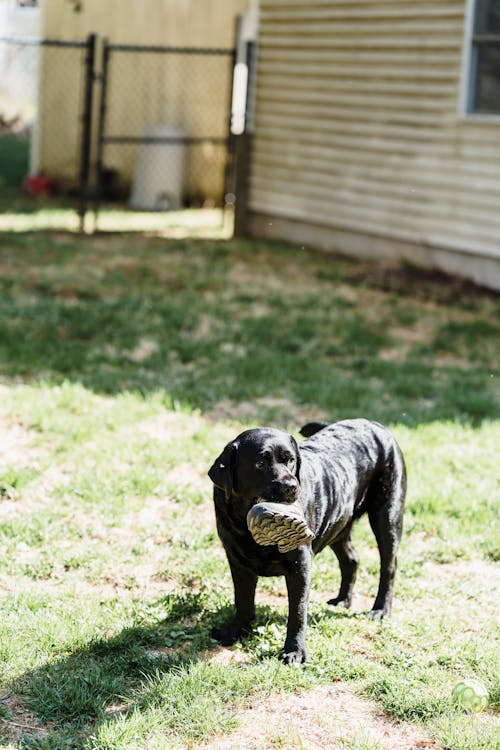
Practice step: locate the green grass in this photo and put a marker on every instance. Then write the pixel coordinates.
(126, 363)
(216, 321)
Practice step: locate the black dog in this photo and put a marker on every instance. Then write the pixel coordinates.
(342, 471)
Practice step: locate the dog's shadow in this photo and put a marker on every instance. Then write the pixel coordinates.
(64, 702)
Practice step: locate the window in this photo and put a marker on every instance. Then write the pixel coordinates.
(484, 70)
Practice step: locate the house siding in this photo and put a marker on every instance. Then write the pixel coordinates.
(358, 130)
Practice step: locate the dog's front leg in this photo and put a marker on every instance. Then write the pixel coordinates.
(298, 582)
(244, 582)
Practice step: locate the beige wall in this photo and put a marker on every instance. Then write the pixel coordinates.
(142, 89)
(360, 144)
(167, 22)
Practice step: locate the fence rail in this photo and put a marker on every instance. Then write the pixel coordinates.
(158, 49)
(34, 42)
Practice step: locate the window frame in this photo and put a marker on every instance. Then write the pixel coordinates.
(471, 39)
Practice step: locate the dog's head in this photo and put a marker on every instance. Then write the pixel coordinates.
(260, 464)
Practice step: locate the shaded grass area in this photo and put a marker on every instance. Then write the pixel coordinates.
(126, 365)
(212, 322)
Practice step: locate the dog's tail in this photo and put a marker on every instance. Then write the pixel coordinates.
(311, 428)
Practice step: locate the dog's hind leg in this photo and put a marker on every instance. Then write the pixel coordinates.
(385, 514)
(348, 562)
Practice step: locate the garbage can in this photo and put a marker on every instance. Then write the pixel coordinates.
(159, 170)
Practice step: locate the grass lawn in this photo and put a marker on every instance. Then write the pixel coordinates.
(126, 363)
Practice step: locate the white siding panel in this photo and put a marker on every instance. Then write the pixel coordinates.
(357, 124)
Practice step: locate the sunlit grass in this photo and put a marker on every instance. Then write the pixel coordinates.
(40, 216)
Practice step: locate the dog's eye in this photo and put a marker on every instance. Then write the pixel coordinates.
(260, 464)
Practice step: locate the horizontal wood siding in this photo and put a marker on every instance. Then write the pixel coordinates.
(357, 124)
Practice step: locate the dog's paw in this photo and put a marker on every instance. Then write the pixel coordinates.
(225, 636)
(377, 615)
(295, 656)
(338, 602)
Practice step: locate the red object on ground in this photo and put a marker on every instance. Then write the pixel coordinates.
(37, 184)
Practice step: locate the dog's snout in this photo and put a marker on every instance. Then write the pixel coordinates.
(287, 488)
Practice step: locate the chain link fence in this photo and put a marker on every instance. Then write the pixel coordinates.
(91, 124)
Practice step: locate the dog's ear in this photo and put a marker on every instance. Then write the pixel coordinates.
(222, 472)
(297, 457)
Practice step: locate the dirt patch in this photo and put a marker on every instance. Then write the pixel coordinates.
(406, 338)
(419, 282)
(268, 278)
(475, 581)
(325, 717)
(38, 495)
(16, 444)
(145, 349)
(19, 451)
(20, 723)
(222, 655)
(170, 426)
(186, 475)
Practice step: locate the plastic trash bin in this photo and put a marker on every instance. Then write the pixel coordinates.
(159, 171)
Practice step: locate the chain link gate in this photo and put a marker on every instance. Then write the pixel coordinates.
(164, 127)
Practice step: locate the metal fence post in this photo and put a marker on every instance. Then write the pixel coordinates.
(229, 191)
(101, 129)
(243, 144)
(86, 127)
